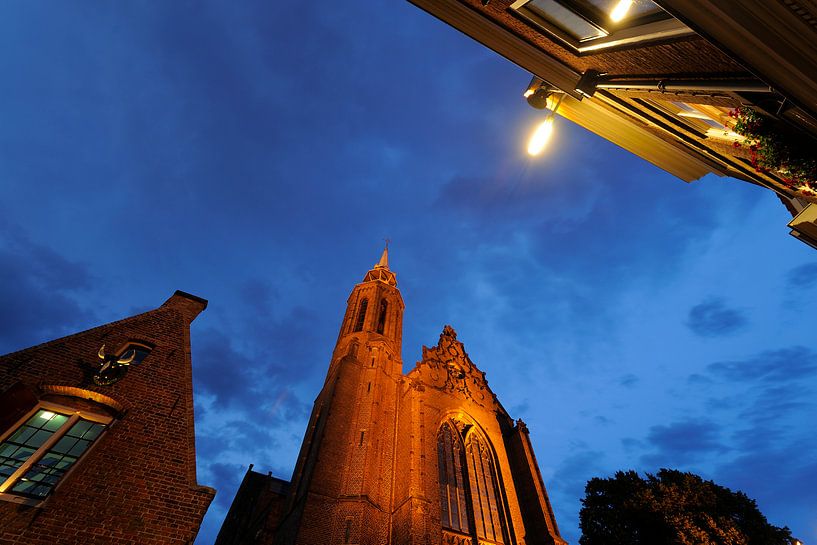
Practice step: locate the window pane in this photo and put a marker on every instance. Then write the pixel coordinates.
(567, 20)
(79, 447)
(141, 354)
(22, 435)
(93, 432)
(64, 445)
(25, 441)
(78, 429)
(45, 473)
(39, 437)
(55, 422)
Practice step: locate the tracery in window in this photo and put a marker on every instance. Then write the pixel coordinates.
(484, 490)
(361, 315)
(381, 319)
(36, 454)
(450, 462)
(470, 500)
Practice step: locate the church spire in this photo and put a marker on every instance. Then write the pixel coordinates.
(384, 259)
(381, 272)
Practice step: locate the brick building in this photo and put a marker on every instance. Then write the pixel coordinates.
(427, 457)
(96, 435)
(668, 80)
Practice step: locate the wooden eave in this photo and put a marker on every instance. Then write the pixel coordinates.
(766, 36)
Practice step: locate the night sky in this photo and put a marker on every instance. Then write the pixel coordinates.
(257, 153)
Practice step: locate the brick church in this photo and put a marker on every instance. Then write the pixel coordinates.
(427, 457)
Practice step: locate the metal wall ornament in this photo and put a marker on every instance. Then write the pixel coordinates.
(112, 368)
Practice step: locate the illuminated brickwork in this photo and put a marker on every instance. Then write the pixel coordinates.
(137, 483)
(369, 470)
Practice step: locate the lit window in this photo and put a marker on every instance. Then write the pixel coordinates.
(37, 454)
(591, 25)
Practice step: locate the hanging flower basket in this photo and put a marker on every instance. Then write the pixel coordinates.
(776, 149)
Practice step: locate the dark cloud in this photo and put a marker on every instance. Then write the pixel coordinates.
(520, 409)
(225, 478)
(771, 366)
(802, 277)
(40, 292)
(779, 479)
(679, 443)
(628, 380)
(241, 382)
(630, 444)
(258, 295)
(566, 487)
(699, 379)
(574, 471)
(713, 318)
(770, 403)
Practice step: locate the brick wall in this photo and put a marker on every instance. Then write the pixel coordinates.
(137, 483)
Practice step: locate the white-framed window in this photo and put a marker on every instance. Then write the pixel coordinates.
(588, 26)
(38, 451)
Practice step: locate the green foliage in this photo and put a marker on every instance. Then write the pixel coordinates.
(776, 149)
(671, 508)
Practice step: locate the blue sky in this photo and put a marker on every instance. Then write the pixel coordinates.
(256, 154)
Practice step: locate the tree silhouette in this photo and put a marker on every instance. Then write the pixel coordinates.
(672, 508)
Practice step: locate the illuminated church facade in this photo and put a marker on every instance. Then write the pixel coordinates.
(426, 457)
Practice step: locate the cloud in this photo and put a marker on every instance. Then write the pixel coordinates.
(40, 291)
(713, 318)
(238, 381)
(567, 486)
(225, 478)
(628, 381)
(771, 366)
(679, 443)
(802, 277)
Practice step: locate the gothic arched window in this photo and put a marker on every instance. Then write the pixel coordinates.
(361, 315)
(469, 491)
(450, 462)
(381, 319)
(484, 490)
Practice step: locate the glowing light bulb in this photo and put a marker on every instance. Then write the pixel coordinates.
(540, 137)
(47, 415)
(620, 11)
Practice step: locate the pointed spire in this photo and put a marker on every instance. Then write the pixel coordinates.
(384, 259)
(381, 270)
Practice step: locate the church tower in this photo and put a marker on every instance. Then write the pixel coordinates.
(429, 457)
(343, 480)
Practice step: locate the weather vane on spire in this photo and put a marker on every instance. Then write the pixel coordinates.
(387, 240)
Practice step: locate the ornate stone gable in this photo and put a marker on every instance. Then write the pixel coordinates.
(447, 367)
